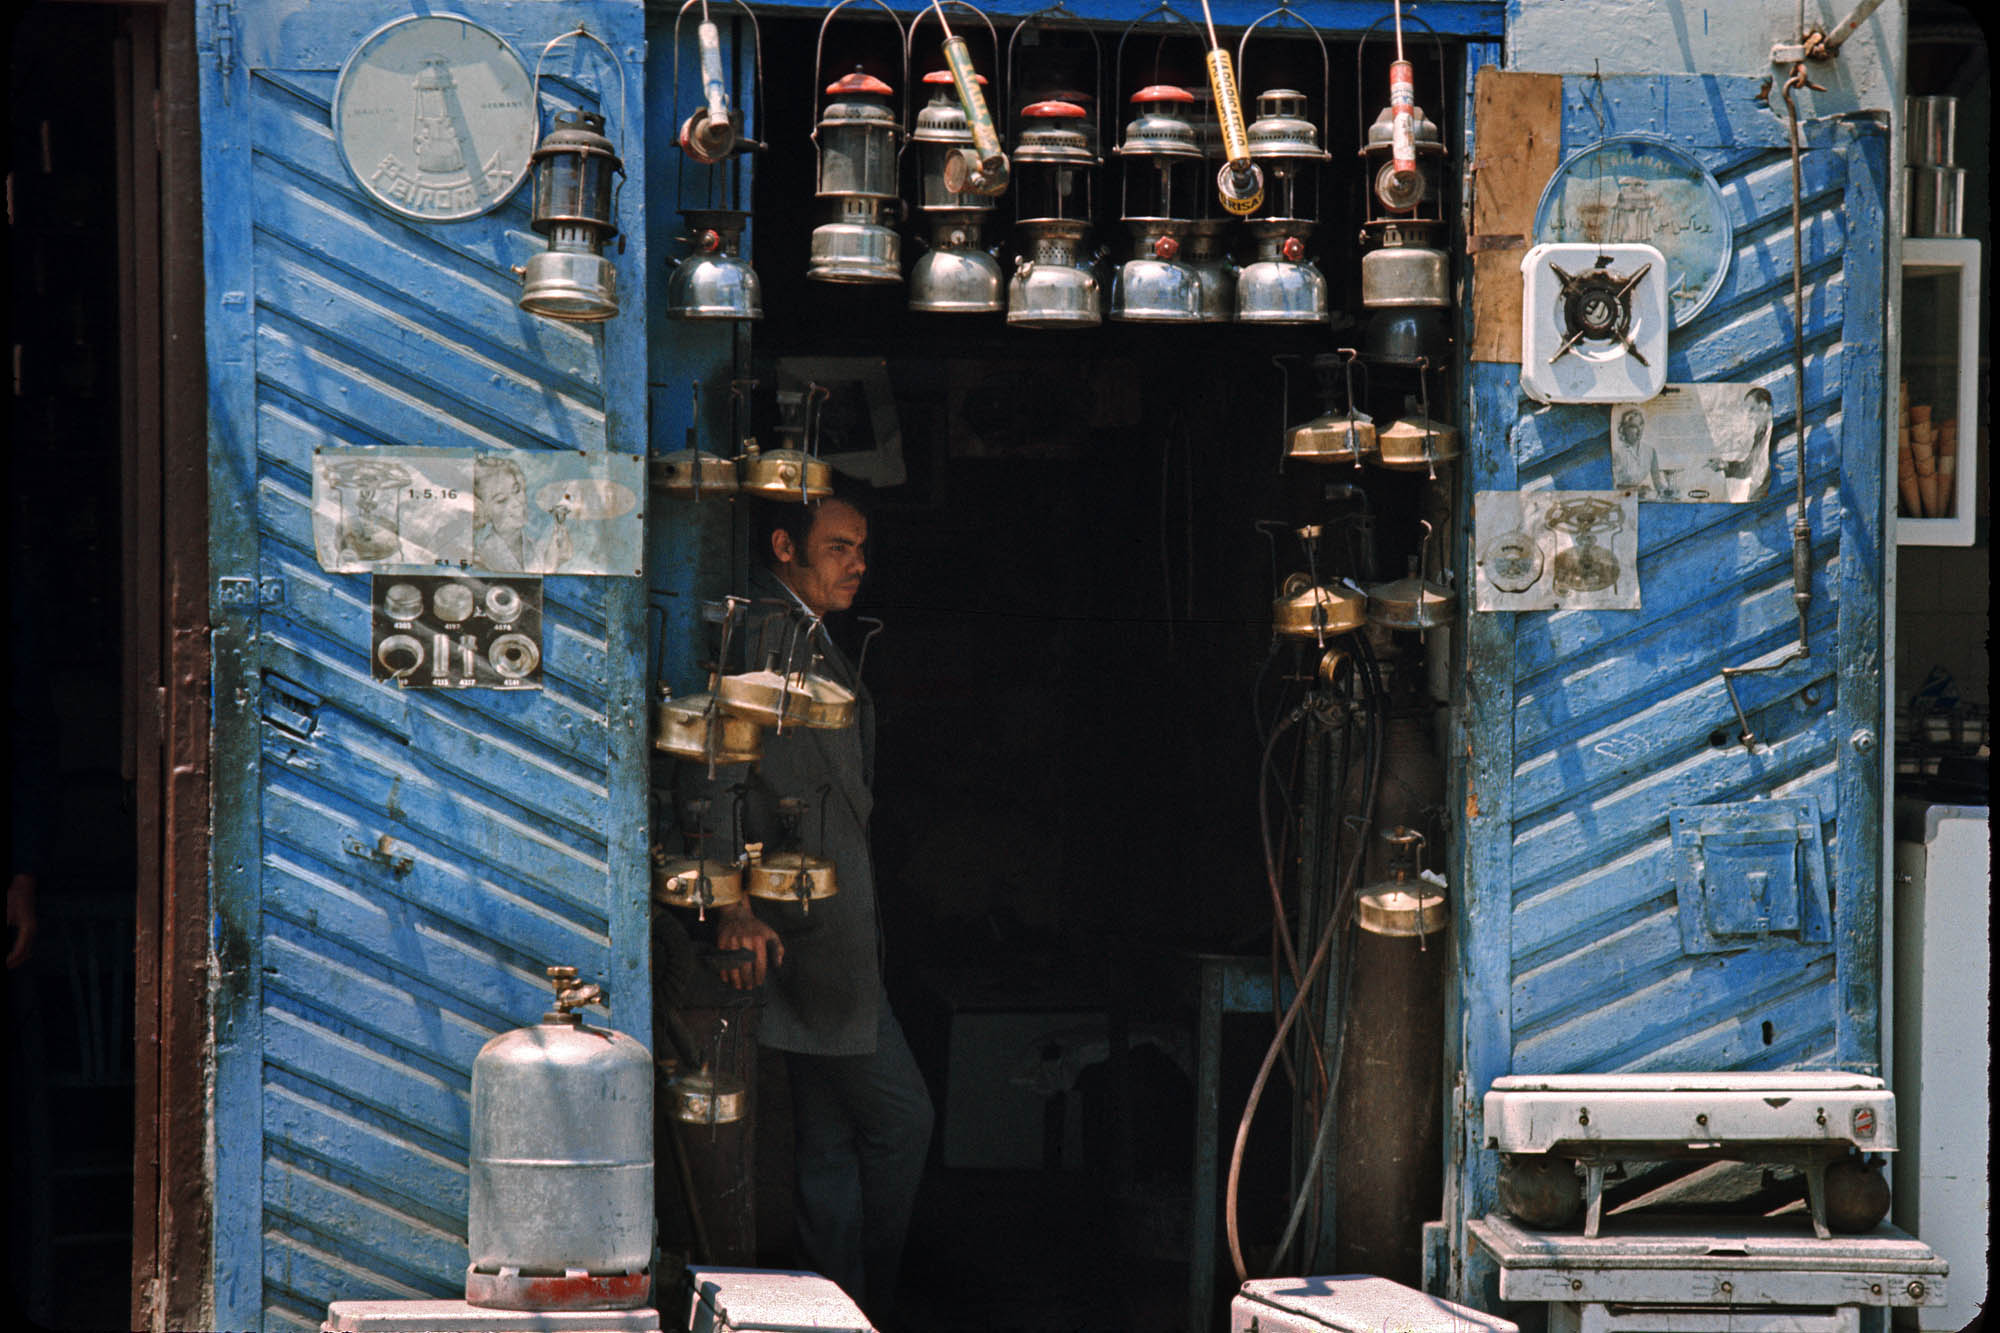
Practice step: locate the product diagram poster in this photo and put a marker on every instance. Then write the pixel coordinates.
(499, 512)
(389, 508)
(457, 631)
(1555, 550)
(1694, 443)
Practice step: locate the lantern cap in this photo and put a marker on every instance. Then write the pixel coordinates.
(1162, 92)
(860, 84)
(1053, 109)
(944, 76)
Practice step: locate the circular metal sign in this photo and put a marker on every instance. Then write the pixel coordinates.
(435, 117)
(1632, 188)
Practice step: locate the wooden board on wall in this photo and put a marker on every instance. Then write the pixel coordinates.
(1517, 148)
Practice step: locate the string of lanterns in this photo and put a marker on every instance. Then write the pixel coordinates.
(1175, 266)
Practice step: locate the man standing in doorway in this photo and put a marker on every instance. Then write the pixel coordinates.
(861, 1115)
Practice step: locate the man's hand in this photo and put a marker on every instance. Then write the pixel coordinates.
(741, 929)
(21, 918)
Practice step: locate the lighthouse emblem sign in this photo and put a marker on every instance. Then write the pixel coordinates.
(435, 118)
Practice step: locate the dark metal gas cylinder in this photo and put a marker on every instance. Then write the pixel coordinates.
(561, 1166)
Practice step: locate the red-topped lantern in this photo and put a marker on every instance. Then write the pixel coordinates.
(857, 138)
(1163, 170)
(1054, 284)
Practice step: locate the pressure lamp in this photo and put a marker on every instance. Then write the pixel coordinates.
(1055, 283)
(856, 137)
(955, 275)
(1404, 267)
(573, 168)
(1281, 285)
(714, 280)
(1161, 179)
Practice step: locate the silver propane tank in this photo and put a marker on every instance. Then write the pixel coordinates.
(561, 1213)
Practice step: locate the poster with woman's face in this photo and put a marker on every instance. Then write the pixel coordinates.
(1694, 444)
(516, 511)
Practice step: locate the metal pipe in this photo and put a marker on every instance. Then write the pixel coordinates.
(1801, 523)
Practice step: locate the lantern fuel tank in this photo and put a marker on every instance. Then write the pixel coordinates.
(561, 1164)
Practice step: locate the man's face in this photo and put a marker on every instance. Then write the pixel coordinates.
(827, 574)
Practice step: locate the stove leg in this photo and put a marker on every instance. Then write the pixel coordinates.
(1593, 1196)
(1816, 1196)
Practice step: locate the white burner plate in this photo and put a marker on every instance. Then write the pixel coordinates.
(1592, 371)
(1590, 1113)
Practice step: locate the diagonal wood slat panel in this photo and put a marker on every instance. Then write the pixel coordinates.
(1617, 712)
(356, 997)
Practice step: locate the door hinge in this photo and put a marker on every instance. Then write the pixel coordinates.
(221, 19)
(244, 592)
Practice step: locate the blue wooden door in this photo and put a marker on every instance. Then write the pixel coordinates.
(356, 977)
(1591, 737)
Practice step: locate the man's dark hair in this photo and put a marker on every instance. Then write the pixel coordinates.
(796, 520)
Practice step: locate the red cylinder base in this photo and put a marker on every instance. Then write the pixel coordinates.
(512, 1289)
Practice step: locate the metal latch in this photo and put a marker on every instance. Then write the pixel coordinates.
(1746, 871)
(398, 857)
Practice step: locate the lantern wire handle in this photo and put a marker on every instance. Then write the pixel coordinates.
(1279, 13)
(624, 110)
(819, 55)
(579, 30)
(1046, 19)
(992, 35)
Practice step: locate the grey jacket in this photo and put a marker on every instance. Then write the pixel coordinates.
(824, 998)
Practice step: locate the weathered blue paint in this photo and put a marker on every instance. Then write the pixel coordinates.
(1583, 730)
(353, 994)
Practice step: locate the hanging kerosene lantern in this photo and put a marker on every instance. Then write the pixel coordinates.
(1404, 267)
(1163, 166)
(1054, 284)
(1162, 184)
(856, 137)
(714, 280)
(1055, 281)
(956, 274)
(1281, 284)
(575, 207)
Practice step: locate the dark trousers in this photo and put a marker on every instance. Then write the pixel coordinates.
(861, 1126)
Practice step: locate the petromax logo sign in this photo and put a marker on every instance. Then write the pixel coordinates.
(435, 117)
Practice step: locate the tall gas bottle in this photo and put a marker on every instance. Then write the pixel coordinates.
(561, 1168)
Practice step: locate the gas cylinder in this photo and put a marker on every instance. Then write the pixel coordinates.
(561, 1167)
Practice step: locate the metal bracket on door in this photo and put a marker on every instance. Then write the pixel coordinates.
(246, 592)
(398, 857)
